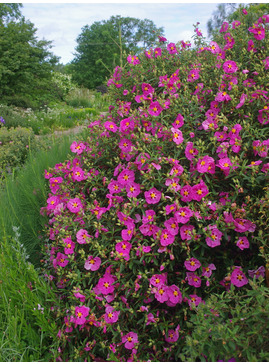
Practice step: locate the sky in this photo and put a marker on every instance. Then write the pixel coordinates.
(63, 22)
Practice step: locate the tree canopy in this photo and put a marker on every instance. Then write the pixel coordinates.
(25, 62)
(100, 47)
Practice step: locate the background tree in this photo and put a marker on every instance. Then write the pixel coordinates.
(26, 63)
(100, 47)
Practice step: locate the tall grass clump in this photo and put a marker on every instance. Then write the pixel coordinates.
(27, 328)
(23, 196)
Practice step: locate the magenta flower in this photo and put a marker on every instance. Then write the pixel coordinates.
(92, 263)
(78, 174)
(224, 27)
(161, 294)
(193, 75)
(183, 215)
(126, 176)
(174, 295)
(242, 243)
(230, 67)
(77, 148)
(132, 189)
(149, 216)
(177, 136)
(61, 260)
(172, 335)
(176, 170)
(166, 238)
(114, 187)
(127, 234)
(251, 46)
(215, 236)
(186, 232)
(74, 205)
(194, 300)
(193, 279)
(157, 52)
(207, 271)
(155, 109)
(111, 316)
(123, 248)
(178, 122)
(153, 196)
(199, 191)
(224, 164)
(130, 340)
(157, 280)
(256, 273)
(83, 236)
(238, 278)
(171, 225)
(69, 246)
(172, 49)
(192, 264)
(186, 193)
(110, 126)
(81, 312)
(190, 151)
(52, 202)
(222, 96)
(174, 184)
(78, 295)
(133, 60)
(206, 165)
(105, 284)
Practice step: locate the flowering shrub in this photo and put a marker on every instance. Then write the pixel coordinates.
(166, 201)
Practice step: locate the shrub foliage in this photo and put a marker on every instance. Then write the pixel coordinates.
(165, 203)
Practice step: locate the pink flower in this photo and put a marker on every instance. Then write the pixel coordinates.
(77, 148)
(78, 295)
(133, 60)
(215, 236)
(193, 279)
(52, 202)
(171, 225)
(251, 46)
(242, 243)
(123, 248)
(78, 174)
(92, 263)
(83, 236)
(105, 284)
(172, 335)
(206, 164)
(61, 260)
(69, 246)
(222, 96)
(186, 193)
(173, 183)
(153, 196)
(157, 52)
(230, 67)
(238, 278)
(177, 136)
(157, 280)
(172, 49)
(193, 75)
(111, 316)
(149, 216)
(178, 122)
(207, 271)
(224, 27)
(192, 264)
(174, 295)
(161, 294)
(166, 238)
(130, 340)
(74, 205)
(190, 151)
(126, 176)
(186, 232)
(155, 109)
(199, 191)
(183, 215)
(114, 187)
(194, 300)
(225, 164)
(260, 272)
(109, 125)
(132, 189)
(81, 312)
